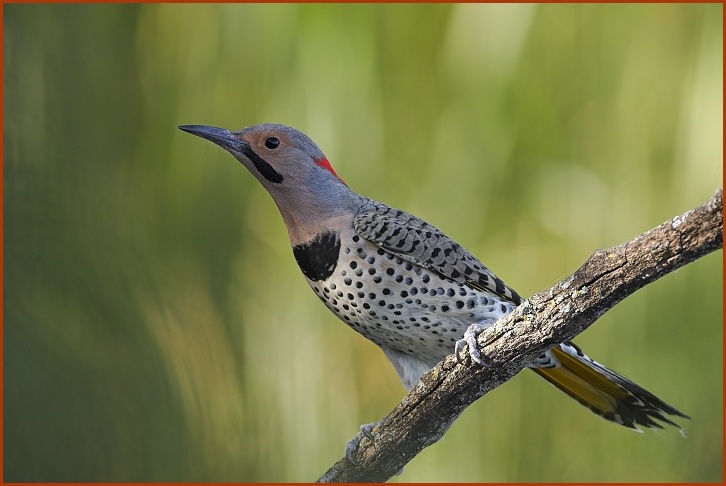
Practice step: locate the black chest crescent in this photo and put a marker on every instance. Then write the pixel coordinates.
(318, 257)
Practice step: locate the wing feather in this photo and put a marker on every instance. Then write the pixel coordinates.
(415, 241)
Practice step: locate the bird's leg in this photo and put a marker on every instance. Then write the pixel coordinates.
(365, 431)
(470, 341)
(352, 446)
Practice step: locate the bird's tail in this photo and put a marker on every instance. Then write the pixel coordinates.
(603, 391)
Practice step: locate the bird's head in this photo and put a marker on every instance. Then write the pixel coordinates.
(290, 166)
(276, 154)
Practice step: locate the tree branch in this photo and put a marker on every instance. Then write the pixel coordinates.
(538, 324)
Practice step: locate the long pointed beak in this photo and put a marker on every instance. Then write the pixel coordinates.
(222, 137)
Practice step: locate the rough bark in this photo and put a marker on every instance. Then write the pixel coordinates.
(541, 322)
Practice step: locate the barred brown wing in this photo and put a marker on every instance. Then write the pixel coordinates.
(414, 240)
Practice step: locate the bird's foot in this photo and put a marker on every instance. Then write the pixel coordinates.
(352, 446)
(470, 341)
(366, 430)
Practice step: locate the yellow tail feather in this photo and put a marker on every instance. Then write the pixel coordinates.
(605, 392)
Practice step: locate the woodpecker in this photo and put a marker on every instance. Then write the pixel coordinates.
(402, 283)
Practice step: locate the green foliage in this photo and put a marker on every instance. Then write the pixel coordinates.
(156, 326)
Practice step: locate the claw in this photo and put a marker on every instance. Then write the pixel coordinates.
(352, 446)
(366, 430)
(470, 341)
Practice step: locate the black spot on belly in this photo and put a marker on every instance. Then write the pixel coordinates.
(318, 257)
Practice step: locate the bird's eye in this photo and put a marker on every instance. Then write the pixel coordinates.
(272, 142)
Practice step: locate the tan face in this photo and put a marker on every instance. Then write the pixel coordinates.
(285, 150)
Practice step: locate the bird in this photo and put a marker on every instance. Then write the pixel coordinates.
(402, 283)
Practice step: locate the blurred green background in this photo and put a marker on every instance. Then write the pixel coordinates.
(156, 326)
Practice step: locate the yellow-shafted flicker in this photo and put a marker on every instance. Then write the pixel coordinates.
(402, 283)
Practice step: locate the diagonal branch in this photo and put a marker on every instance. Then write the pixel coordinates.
(546, 319)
